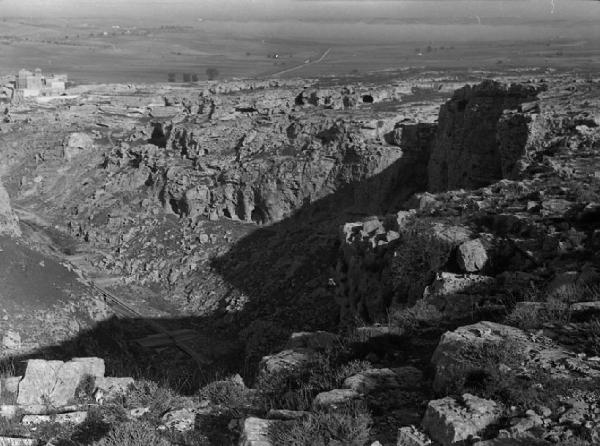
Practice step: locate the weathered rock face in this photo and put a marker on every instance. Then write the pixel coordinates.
(9, 223)
(477, 143)
(450, 365)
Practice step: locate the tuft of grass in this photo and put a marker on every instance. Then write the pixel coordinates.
(555, 308)
(133, 433)
(261, 338)
(411, 318)
(348, 426)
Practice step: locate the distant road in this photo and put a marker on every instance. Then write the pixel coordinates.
(297, 67)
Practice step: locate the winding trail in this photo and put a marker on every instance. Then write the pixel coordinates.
(116, 303)
(297, 67)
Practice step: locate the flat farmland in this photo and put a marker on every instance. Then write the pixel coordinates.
(95, 51)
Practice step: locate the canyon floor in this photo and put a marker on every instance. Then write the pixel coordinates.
(409, 258)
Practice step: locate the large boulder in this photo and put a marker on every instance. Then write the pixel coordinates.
(55, 382)
(335, 398)
(472, 256)
(288, 362)
(375, 380)
(458, 295)
(77, 143)
(451, 422)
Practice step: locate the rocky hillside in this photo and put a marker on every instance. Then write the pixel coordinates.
(379, 268)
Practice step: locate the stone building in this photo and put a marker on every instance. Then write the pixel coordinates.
(37, 84)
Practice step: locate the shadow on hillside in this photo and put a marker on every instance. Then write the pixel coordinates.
(283, 272)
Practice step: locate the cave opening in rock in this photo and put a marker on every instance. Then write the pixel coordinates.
(246, 110)
(257, 216)
(158, 137)
(175, 206)
(299, 99)
(367, 99)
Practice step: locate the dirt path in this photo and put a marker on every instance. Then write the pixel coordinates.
(115, 302)
(297, 67)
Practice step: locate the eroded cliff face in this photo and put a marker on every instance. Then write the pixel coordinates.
(481, 135)
(465, 248)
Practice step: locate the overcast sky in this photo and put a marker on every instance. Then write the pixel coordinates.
(306, 9)
(368, 21)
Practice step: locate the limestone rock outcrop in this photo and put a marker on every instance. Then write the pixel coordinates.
(469, 150)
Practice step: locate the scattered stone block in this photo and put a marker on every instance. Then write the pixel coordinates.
(61, 418)
(318, 340)
(472, 256)
(256, 432)
(180, 420)
(335, 398)
(9, 411)
(286, 361)
(411, 436)
(451, 422)
(11, 441)
(113, 387)
(11, 384)
(11, 340)
(54, 382)
(138, 412)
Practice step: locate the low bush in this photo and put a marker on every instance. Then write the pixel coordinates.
(133, 433)
(148, 394)
(296, 391)
(347, 426)
(228, 392)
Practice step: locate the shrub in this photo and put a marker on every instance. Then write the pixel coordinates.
(133, 433)
(262, 337)
(296, 391)
(85, 388)
(348, 426)
(414, 264)
(228, 392)
(212, 73)
(149, 394)
(555, 308)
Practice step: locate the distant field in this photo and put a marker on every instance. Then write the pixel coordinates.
(97, 53)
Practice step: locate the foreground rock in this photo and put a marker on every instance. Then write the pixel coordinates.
(257, 432)
(452, 422)
(55, 382)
